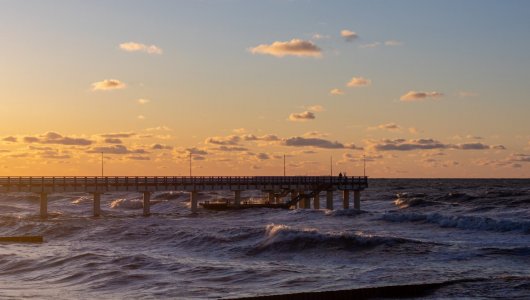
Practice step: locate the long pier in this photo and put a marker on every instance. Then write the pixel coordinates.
(302, 189)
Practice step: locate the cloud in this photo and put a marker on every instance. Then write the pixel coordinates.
(10, 139)
(389, 126)
(294, 47)
(262, 156)
(336, 92)
(138, 157)
(161, 147)
(140, 117)
(139, 47)
(267, 137)
(55, 138)
(413, 130)
(158, 128)
(194, 151)
(348, 35)
(116, 149)
(315, 134)
(112, 141)
(318, 36)
(317, 143)
(426, 144)
(358, 82)
(108, 84)
(411, 96)
(303, 116)
(230, 148)
(393, 43)
(119, 135)
(223, 140)
(143, 101)
(370, 45)
(315, 108)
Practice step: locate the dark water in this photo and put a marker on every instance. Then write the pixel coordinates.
(409, 231)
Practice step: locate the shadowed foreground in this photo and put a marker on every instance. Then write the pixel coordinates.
(395, 291)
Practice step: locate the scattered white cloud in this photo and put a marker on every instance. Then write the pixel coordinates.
(336, 92)
(108, 84)
(294, 47)
(118, 135)
(318, 36)
(223, 140)
(370, 45)
(358, 82)
(10, 139)
(117, 149)
(426, 144)
(348, 35)
(143, 101)
(393, 43)
(58, 139)
(299, 141)
(315, 108)
(389, 126)
(412, 96)
(139, 47)
(113, 141)
(303, 116)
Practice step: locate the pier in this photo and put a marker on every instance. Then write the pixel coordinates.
(282, 191)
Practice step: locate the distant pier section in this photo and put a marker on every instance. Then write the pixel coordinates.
(282, 191)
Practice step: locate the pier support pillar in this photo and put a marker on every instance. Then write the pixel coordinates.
(237, 198)
(193, 201)
(316, 200)
(97, 205)
(43, 205)
(293, 196)
(346, 199)
(357, 199)
(307, 202)
(147, 203)
(329, 200)
(271, 197)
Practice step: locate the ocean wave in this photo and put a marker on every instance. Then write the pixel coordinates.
(284, 238)
(514, 251)
(127, 203)
(461, 222)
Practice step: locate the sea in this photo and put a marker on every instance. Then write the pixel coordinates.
(472, 236)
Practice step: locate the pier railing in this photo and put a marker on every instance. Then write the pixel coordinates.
(167, 183)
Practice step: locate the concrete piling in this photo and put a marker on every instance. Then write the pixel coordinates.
(346, 199)
(147, 203)
(97, 205)
(193, 201)
(329, 200)
(237, 198)
(43, 205)
(316, 200)
(357, 199)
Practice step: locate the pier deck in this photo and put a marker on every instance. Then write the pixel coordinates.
(301, 188)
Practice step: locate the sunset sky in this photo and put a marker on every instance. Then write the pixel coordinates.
(422, 88)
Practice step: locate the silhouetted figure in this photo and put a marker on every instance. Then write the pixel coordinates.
(340, 176)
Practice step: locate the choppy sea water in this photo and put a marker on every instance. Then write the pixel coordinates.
(408, 232)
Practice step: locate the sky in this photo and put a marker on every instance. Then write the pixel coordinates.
(418, 88)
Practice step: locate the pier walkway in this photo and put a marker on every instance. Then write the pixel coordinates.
(301, 188)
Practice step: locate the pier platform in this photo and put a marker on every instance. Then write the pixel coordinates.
(302, 189)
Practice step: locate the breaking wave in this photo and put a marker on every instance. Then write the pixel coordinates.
(285, 238)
